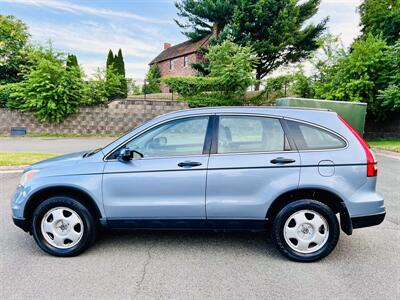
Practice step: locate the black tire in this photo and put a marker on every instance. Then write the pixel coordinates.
(89, 226)
(296, 206)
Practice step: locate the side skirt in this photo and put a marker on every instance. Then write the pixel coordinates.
(187, 224)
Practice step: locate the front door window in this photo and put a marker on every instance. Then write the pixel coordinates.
(175, 138)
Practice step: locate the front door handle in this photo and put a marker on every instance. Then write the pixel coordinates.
(282, 161)
(189, 164)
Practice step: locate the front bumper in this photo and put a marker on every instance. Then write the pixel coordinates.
(21, 223)
(366, 221)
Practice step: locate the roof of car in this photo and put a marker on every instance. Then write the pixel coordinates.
(269, 110)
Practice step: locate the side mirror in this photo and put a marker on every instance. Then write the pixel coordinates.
(128, 154)
(125, 154)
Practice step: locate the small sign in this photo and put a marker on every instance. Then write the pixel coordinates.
(18, 130)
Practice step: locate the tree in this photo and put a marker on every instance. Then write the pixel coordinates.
(119, 66)
(200, 16)
(390, 96)
(359, 76)
(330, 51)
(230, 74)
(49, 90)
(105, 85)
(302, 85)
(381, 17)
(152, 84)
(110, 59)
(133, 88)
(7, 95)
(115, 66)
(233, 64)
(279, 31)
(72, 61)
(13, 39)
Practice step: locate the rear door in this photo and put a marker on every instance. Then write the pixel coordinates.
(251, 163)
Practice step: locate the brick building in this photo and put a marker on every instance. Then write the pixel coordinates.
(176, 60)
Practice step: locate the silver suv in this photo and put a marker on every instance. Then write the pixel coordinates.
(289, 171)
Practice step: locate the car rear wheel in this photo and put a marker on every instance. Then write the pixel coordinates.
(305, 230)
(62, 226)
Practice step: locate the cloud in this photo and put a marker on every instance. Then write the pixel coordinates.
(134, 69)
(347, 31)
(342, 2)
(93, 39)
(90, 41)
(344, 18)
(82, 9)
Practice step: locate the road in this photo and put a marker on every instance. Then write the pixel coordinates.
(198, 265)
(51, 145)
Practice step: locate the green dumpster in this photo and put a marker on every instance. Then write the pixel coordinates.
(353, 112)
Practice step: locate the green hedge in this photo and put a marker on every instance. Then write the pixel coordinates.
(189, 86)
(9, 95)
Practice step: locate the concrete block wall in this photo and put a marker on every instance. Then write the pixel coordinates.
(114, 117)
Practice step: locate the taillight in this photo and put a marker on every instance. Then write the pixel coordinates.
(372, 169)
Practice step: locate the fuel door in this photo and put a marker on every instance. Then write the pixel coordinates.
(326, 168)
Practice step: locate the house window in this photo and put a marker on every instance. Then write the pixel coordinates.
(185, 61)
(171, 64)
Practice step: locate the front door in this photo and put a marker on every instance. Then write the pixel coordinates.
(168, 182)
(250, 165)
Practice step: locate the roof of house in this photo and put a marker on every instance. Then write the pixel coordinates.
(181, 49)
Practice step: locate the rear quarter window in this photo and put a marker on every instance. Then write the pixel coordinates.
(308, 137)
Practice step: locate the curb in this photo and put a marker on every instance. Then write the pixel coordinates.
(11, 169)
(386, 153)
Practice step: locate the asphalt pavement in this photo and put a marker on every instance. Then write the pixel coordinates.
(204, 265)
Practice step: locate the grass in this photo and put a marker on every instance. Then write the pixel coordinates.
(386, 144)
(22, 158)
(62, 135)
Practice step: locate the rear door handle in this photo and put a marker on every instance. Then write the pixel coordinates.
(189, 164)
(282, 161)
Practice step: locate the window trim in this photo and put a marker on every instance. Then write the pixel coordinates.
(209, 124)
(214, 145)
(291, 134)
(185, 61)
(171, 64)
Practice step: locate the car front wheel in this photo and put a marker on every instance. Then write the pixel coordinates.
(305, 230)
(62, 226)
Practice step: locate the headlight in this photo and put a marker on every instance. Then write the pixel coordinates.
(27, 176)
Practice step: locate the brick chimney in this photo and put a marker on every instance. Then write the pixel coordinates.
(167, 45)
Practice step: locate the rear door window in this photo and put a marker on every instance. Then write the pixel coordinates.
(244, 134)
(308, 137)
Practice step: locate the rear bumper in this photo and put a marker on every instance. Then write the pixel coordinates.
(21, 223)
(366, 221)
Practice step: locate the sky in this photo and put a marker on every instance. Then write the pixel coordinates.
(89, 28)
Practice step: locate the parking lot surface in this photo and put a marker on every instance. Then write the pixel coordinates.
(202, 265)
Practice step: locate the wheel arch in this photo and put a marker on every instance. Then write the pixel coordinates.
(326, 197)
(78, 194)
